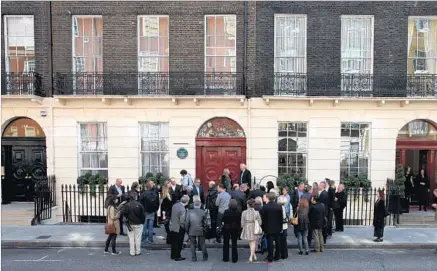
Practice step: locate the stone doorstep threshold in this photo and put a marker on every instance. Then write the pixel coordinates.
(96, 244)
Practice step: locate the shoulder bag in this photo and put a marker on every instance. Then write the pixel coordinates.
(109, 228)
(295, 220)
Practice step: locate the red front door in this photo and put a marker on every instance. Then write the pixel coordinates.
(215, 159)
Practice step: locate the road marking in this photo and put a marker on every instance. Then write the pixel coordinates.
(59, 251)
(43, 259)
(38, 260)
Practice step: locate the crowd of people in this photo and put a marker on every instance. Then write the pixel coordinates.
(227, 212)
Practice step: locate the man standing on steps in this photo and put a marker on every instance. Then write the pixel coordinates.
(150, 201)
(119, 190)
(245, 176)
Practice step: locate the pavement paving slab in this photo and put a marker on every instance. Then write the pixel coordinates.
(92, 235)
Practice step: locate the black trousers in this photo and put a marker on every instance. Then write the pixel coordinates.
(111, 239)
(330, 218)
(339, 219)
(270, 239)
(283, 248)
(121, 225)
(213, 215)
(233, 236)
(219, 224)
(177, 242)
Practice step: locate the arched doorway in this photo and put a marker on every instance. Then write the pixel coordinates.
(416, 146)
(220, 144)
(23, 159)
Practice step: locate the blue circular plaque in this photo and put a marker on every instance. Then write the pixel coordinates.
(182, 153)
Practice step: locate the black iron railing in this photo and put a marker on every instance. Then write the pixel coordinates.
(347, 85)
(44, 199)
(21, 84)
(172, 83)
(87, 205)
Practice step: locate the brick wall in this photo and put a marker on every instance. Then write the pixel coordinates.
(40, 11)
(186, 30)
(324, 33)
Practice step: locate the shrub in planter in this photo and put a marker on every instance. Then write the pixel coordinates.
(356, 183)
(158, 178)
(290, 180)
(92, 181)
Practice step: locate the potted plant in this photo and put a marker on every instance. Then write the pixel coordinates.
(396, 192)
(356, 185)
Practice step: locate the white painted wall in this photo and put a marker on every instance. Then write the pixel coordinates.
(186, 117)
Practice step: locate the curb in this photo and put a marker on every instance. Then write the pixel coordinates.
(100, 244)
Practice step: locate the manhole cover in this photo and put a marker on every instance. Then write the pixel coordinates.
(44, 237)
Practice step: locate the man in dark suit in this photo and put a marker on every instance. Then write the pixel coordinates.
(272, 219)
(239, 196)
(297, 195)
(245, 176)
(324, 198)
(198, 191)
(257, 192)
(119, 190)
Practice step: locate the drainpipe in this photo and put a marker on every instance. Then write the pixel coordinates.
(249, 130)
(245, 49)
(49, 93)
(50, 56)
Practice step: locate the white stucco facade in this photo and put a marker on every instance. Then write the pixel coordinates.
(258, 117)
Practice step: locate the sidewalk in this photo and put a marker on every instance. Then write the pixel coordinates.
(92, 235)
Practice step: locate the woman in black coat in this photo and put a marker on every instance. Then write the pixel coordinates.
(422, 184)
(379, 214)
(231, 229)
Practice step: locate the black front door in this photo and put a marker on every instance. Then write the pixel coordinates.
(25, 166)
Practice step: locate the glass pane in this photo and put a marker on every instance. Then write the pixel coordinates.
(210, 26)
(103, 172)
(282, 160)
(150, 26)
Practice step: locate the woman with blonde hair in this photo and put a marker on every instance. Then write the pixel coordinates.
(165, 205)
(248, 220)
(283, 248)
(113, 220)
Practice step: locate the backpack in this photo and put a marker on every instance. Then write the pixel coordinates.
(150, 200)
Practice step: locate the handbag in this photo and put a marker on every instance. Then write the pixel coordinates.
(257, 229)
(295, 220)
(109, 228)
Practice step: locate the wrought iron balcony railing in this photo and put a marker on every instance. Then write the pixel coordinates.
(348, 85)
(21, 84)
(149, 84)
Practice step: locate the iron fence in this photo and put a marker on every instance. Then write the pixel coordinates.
(26, 83)
(150, 84)
(347, 85)
(86, 204)
(44, 199)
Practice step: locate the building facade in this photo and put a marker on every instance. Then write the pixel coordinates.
(324, 89)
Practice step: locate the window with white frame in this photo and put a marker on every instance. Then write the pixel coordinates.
(93, 149)
(87, 44)
(19, 43)
(355, 149)
(154, 152)
(356, 53)
(290, 54)
(292, 148)
(153, 54)
(357, 44)
(290, 43)
(422, 45)
(220, 43)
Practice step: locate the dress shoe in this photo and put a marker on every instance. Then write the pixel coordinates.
(300, 252)
(123, 234)
(307, 253)
(179, 259)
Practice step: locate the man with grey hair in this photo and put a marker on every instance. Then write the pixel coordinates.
(245, 175)
(324, 198)
(177, 228)
(195, 225)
